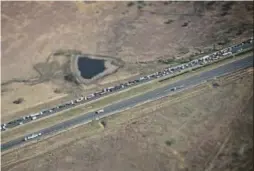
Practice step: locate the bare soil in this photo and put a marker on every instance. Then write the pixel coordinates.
(208, 128)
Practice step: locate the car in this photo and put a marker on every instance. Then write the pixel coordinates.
(3, 127)
(25, 117)
(173, 89)
(99, 111)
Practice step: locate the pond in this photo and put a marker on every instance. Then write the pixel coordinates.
(89, 67)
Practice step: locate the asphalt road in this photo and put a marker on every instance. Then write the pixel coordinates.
(149, 96)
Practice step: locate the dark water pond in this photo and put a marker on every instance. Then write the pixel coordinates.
(90, 67)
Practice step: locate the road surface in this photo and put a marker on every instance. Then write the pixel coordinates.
(149, 96)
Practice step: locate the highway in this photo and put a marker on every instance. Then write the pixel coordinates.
(149, 96)
(169, 71)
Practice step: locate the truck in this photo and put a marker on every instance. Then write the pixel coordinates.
(32, 136)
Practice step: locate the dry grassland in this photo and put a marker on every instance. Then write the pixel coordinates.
(206, 128)
(8, 108)
(139, 32)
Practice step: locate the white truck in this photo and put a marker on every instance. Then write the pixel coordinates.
(32, 136)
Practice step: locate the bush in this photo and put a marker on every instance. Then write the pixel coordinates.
(210, 3)
(227, 6)
(59, 52)
(66, 52)
(216, 84)
(166, 2)
(69, 78)
(182, 61)
(18, 101)
(185, 24)
(57, 91)
(183, 50)
(168, 21)
(141, 4)
(129, 4)
(224, 13)
(167, 61)
(103, 123)
(169, 142)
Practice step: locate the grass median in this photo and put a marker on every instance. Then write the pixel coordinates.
(95, 105)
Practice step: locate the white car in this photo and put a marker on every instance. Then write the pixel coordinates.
(3, 127)
(99, 111)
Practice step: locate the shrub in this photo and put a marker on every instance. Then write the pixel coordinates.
(18, 101)
(185, 24)
(169, 142)
(168, 21)
(69, 78)
(129, 4)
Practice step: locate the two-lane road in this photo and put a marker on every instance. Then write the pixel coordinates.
(149, 96)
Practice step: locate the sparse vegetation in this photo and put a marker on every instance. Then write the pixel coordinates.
(224, 42)
(173, 61)
(68, 52)
(57, 91)
(103, 123)
(18, 101)
(141, 4)
(210, 3)
(129, 4)
(169, 21)
(170, 142)
(224, 13)
(183, 50)
(166, 2)
(215, 84)
(70, 78)
(227, 5)
(167, 61)
(185, 24)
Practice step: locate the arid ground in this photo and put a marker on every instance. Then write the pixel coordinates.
(206, 128)
(139, 33)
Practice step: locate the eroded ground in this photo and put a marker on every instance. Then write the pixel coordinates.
(134, 32)
(205, 128)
